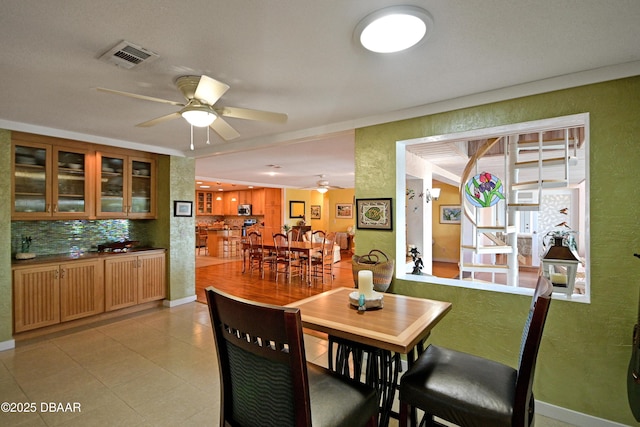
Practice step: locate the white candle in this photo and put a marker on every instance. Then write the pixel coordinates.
(558, 279)
(365, 283)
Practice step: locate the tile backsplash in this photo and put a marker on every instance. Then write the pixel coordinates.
(62, 237)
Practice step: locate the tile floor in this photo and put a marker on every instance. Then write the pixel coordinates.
(155, 368)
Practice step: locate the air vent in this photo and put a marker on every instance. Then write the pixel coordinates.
(128, 55)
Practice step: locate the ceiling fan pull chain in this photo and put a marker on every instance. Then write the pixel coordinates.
(191, 137)
(208, 136)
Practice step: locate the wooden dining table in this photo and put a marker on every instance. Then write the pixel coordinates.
(399, 327)
(307, 248)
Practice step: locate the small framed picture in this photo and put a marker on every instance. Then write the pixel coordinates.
(182, 208)
(450, 214)
(374, 214)
(315, 211)
(344, 210)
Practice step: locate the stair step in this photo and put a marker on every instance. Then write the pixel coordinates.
(525, 206)
(545, 162)
(494, 249)
(550, 144)
(496, 229)
(534, 185)
(485, 268)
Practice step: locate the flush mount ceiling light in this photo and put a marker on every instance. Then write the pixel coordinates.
(394, 29)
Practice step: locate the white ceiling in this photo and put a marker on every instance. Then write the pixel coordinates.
(296, 57)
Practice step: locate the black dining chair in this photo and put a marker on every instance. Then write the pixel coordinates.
(264, 377)
(468, 390)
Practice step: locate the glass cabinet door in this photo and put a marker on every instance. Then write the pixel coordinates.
(32, 195)
(141, 203)
(111, 188)
(209, 203)
(70, 183)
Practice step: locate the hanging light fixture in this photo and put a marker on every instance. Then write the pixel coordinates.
(321, 190)
(394, 29)
(198, 115)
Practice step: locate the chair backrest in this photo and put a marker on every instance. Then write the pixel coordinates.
(327, 247)
(255, 243)
(281, 243)
(263, 371)
(530, 344)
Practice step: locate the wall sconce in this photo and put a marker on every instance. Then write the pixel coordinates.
(434, 194)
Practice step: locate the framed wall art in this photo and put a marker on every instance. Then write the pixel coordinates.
(315, 211)
(344, 210)
(182, 208)
(374, 214)
(450, 214)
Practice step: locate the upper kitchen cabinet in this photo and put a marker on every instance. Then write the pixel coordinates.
(257, 201)
(126, 186)
(204, 203)
(50, 180)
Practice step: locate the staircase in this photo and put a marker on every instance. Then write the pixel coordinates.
(486, 232)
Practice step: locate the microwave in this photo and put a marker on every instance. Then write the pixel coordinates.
(244, 209)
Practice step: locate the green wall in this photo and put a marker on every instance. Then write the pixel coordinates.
(6, 319)
(586, 347)
(177, 234)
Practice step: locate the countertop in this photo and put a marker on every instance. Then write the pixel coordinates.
(60, 258)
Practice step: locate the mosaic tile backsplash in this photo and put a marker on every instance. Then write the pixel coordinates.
(67, 237)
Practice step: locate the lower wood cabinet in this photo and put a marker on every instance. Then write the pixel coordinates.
(134, 279)
(51, 293)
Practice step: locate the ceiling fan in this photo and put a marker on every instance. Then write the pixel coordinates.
(323, 185)
(201, 93)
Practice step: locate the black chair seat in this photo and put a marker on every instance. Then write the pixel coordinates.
(440, 384)
(338, 401)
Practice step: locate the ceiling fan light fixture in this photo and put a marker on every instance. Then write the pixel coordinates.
(321, 190)
(394, 29)
(198, 116)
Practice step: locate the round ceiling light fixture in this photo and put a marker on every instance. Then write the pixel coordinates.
(394, 29)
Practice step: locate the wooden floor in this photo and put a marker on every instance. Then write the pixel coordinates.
(228, 277)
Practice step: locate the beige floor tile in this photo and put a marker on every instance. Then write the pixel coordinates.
(122, 371)
(116, 413)
(150, 386)
(185, 402)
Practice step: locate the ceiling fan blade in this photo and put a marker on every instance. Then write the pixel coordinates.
(224, 129)
(135, 95)
(248, 114)
(210, 90)
(157, 120)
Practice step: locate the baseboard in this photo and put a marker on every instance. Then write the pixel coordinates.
(572, 417)
(177, 302)
(7, 345)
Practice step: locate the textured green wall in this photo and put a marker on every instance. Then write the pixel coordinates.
(586, 348)
(177, 234)
(6, 321)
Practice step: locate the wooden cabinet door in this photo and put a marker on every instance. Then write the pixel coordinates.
(151, 271)
(72, 193)
(218, 204)
(142, 191)
(112, 185)
(230, 199)
(36, 297)
(244, 197)
(81, 289)
(31, 181)
(121, 282)
(257, 201)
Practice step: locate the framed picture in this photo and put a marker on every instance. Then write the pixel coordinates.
(344, 210)
(375, 214)
(450, 214)
(315, 211)
(182, 208)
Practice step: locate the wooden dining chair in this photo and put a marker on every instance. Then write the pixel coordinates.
(258, 257)
(473, 391)
(286, 261)
(264, 377)
(322, 260)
